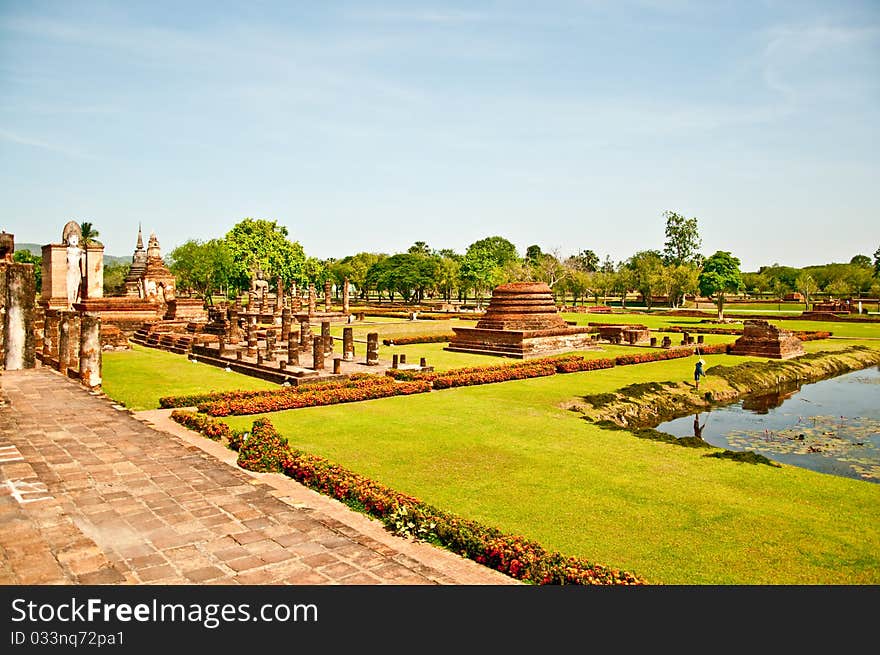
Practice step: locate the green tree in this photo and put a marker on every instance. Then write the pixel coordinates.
(682, 240)
(264, 244)
(203, 267)
(89, 238)
(26, 257)
(861, 260)
(114, 278)
(719, 277)
(419, 248)
(601, 284)
(839, 288)
(533, 254)
(586, 261)
(549, 269)
(877, 262)
(408, 274)
(481, 268)
(447, 275)
(645, 269)
(807, 286)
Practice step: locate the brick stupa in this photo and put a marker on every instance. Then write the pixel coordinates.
(760, 339)
(521, 321)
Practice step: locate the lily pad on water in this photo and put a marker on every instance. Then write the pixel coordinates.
(854, 441)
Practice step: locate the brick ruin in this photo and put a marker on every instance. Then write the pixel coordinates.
(521, 321)
(761, 339)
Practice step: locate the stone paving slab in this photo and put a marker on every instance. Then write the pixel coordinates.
(93, 494)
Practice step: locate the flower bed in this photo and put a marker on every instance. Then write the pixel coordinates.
(642, 358)
(812, 335)
(381, 387)
(530, 370)
(266, 450)
(419, 338)
(714, 349)
(194, 400)
(203, 424)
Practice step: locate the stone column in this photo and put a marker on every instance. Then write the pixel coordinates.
(270, 345)
(305, 334)
(403, 358)
(279, 295)
(328, 287)
(337, 365)
(234, 329)
(50, 335)
(372, 349)
(251, 340)
(348, 344)
(17, 347)
(423, 362)
(326, 338)
(221, 345)
(317, 354)
(90, 350)
(64, 341)
(73, 340)
(345, 297)
(285, 324)
(312, 300)
(292, 353)
(252, 302)
(395, 358)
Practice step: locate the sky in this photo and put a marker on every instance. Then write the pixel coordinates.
(368, 126)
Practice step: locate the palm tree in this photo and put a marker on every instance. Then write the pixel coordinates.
(89, 237)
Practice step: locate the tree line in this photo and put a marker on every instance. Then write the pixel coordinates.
(665, 275)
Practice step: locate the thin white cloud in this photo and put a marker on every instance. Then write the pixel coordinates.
(12, 137)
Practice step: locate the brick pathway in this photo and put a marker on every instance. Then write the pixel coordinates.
(91, 494)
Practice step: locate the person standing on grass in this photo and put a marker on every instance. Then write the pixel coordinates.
(698, 373)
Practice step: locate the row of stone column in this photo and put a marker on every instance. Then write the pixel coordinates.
(72, 345)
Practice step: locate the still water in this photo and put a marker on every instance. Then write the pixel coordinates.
(831, 426)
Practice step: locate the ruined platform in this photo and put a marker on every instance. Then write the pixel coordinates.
(761, 339)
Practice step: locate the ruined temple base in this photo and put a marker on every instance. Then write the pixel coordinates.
(760, 339)
(521, 344)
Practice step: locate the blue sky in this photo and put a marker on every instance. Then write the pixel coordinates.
(367, 126)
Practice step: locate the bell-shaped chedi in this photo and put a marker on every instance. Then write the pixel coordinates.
(522, 306)
(521, 321)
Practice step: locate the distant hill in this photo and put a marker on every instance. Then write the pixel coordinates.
(37, 249)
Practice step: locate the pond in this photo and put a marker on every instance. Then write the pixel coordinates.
(831, 426)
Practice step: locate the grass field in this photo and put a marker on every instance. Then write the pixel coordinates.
(511, 455)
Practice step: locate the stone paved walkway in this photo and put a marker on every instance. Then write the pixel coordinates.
(92, 494)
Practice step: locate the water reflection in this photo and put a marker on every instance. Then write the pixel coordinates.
(832, 426)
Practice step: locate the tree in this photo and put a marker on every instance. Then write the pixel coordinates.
(407, 274)
(419, 248)
(862, 261)
(26, 257)
(645, 268)
(202, 266)
(114, 278)
(720, 276)
(533, 254)
(839, 288)
(586, 261)
(877, 262)
(807, 287)
(89, 238)
(89, 234)
(682, 240)
(263, 244)
(481, 268)
(549, 269)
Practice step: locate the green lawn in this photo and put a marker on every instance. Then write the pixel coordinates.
(511, 455)
(139, 377)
